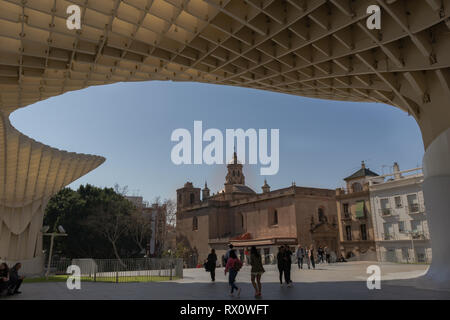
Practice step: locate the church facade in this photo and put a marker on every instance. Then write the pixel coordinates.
(239, 215)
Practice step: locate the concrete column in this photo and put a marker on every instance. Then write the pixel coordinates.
(436, 189)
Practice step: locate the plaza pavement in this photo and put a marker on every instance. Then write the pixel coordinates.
(336, 281)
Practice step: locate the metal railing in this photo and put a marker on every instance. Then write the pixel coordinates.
(415, 208)
(388, 236)
(386, 212)
(420, 235)
(124, 270)
(347, 216)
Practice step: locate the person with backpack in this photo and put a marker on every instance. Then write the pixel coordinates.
(257, 270)
(233, 266)
(211, 262)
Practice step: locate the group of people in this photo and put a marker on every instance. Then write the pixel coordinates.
(233, 265)
(10, 280)
(308, 255)
(284, 262)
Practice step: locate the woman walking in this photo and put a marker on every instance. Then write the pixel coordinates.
(211, 264)
(233, 266)
(257, 270)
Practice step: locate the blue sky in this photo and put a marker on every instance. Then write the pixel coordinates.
(130, 124)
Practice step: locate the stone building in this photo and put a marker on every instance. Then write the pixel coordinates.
(356, 233)
(157, 214)
(239, 215)
(400, 217)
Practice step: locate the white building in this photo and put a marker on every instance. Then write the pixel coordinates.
(400, 222)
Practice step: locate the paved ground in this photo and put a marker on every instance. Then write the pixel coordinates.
(338, 281)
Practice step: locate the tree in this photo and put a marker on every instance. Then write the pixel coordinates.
(140, 224)
(80, 212)
(171, 210)
(112, 218)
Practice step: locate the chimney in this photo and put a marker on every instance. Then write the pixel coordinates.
(363, 165)
(397, 174)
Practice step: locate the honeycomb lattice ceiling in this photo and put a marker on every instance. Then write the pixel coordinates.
(313, 48)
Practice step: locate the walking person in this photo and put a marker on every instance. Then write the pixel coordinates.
(327, 255)
(211, 264)
(300, 256)
(233, 266)
(311, 256)
(320, 254)
(308, 260)
(227, 254)
(280, 263)
(287, 266)
(223, 261)
(256, 271)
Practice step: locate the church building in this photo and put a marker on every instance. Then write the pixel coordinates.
(239, 215)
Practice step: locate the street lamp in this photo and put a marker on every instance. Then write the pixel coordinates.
(61, 233)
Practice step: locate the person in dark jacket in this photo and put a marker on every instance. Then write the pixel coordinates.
(280, 263)
(4, 277)
(14, 279)
(311, 256)
(211, 264)
(320, 254)
(287, 265)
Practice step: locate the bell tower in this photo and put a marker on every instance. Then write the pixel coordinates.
(205, 192)
(235, 174)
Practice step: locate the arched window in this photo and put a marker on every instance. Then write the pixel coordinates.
(273, 217)
(194, 223)
(357, 187)
(179, 197)
(240, 220)
(192, 198)
(321, 214)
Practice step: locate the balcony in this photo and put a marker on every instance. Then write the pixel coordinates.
(347, 216)
(415, 208)
(386, 212)
(387, 236)
(420, 235)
